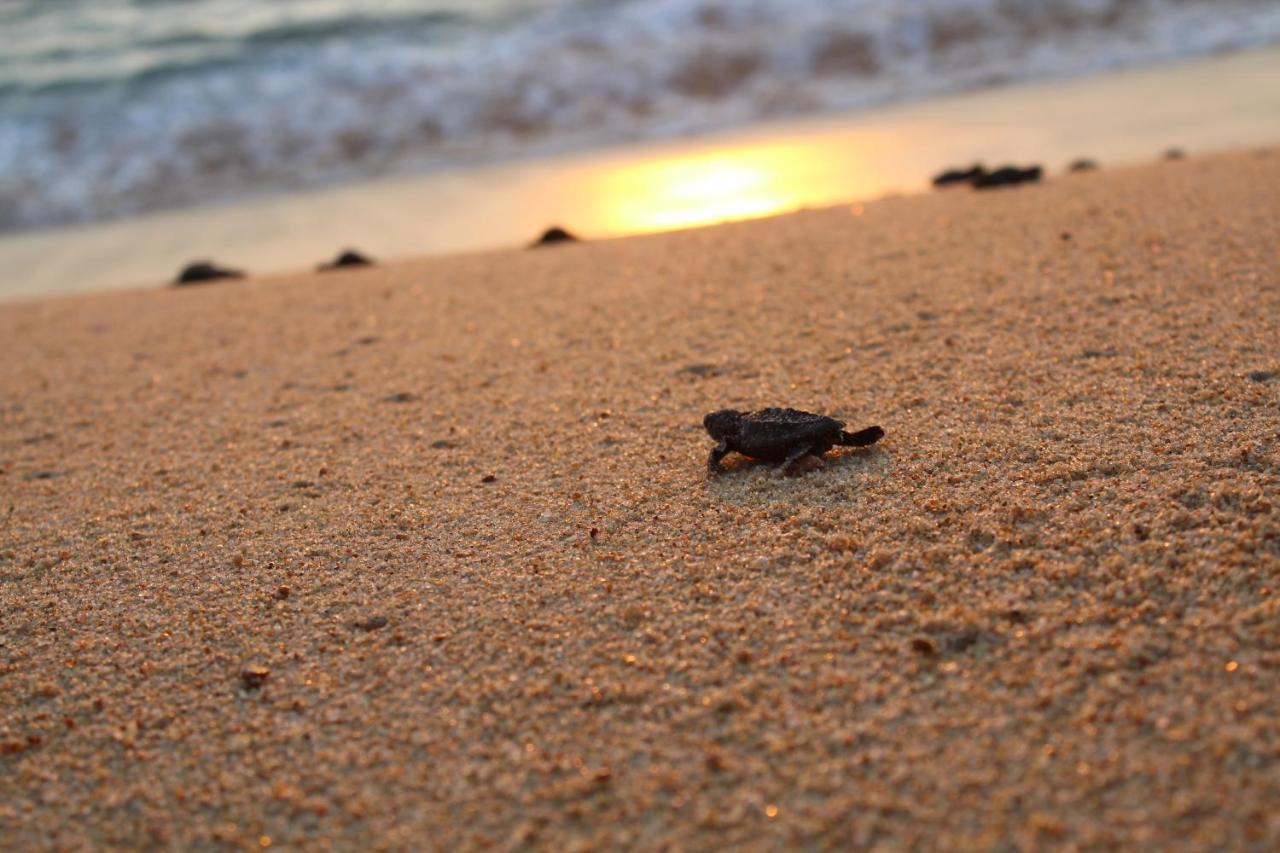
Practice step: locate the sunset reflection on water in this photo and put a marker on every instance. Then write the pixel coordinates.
(739, 182)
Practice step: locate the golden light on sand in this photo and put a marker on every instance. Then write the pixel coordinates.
(704, 188)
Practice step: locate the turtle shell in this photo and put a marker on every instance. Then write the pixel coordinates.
(771, 434)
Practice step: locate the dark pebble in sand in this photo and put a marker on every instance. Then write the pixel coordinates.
(42, 475)
(951, 177)
(373, 623)
(488, 478)
(1175, 154)
(348, 258)
(368, 340)
(924, 646)
(1263, 375)
(703, 370)
(442, 444)
(1083, 165)
(552, 235)
(1008, 176)
(253, 677)
(199, 272)
(401, 397)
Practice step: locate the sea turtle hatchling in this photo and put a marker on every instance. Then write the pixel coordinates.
(779, 435)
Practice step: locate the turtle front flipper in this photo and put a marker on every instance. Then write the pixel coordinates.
(717, 453)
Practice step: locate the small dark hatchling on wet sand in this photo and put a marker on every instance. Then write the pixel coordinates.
(779, 435)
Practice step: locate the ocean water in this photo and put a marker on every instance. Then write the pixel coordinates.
(115, 107)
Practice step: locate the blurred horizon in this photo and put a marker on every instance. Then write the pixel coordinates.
(1204, 105)
(111, 108)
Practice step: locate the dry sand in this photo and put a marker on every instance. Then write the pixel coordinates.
(1045, 610)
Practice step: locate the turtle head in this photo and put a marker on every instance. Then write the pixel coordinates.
(722, 424)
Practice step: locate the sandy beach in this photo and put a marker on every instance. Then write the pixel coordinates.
(426, 557)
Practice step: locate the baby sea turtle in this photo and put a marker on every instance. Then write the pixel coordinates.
(199, 272)
(1008, 176)
(553, 235)
(347, 258)
(779, 435)
(959, 176)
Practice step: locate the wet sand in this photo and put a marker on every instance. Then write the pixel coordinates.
(424, 556)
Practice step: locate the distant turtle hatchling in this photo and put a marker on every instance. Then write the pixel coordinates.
(779, 435)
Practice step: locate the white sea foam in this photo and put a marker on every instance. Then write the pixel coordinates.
(186, 102)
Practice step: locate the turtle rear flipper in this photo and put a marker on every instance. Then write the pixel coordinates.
(861, 438)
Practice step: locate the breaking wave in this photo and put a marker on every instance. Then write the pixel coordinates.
(115, 107)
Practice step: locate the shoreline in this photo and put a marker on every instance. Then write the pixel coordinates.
(1201, 105)
(429, 551)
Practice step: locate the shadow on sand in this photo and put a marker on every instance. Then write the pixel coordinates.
(841, 479)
